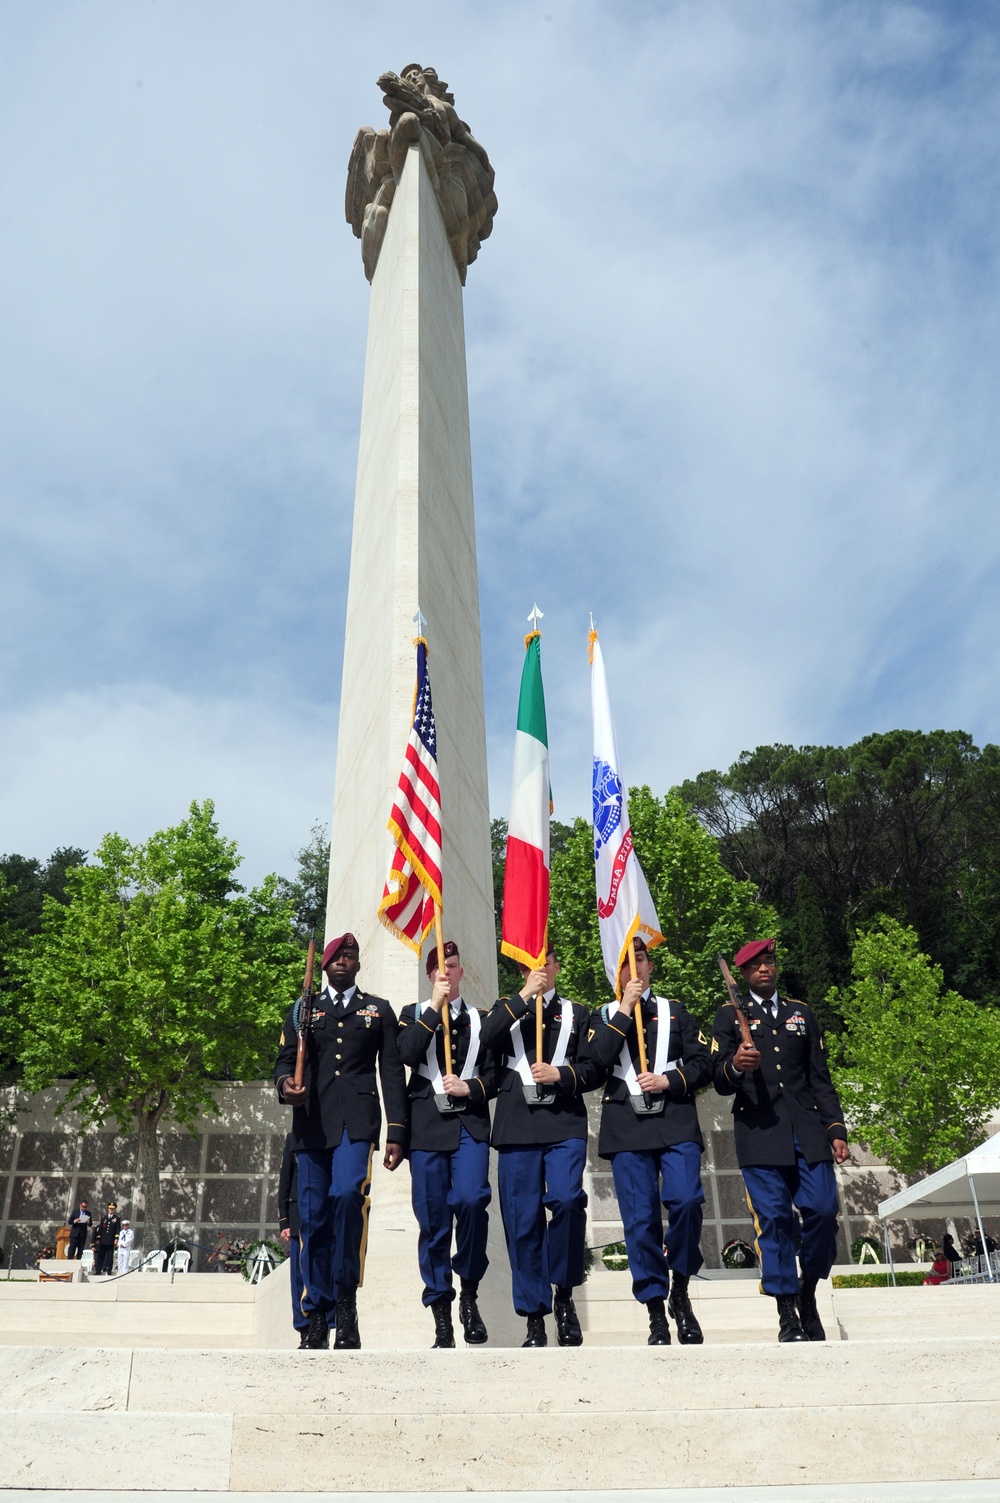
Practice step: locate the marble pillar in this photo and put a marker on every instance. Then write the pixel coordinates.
(413, 545)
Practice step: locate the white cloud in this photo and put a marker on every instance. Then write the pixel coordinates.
(732, 352)
(133, 759)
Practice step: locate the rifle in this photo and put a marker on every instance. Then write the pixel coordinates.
(736, 1001)
(304, 1021)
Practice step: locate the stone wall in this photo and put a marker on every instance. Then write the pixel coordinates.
(224, 1178)
(861, 1184)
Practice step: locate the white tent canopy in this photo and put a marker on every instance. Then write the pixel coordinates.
(970, 1186)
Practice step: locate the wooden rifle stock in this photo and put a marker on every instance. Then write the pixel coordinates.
(305, 1017)
(734, 1001)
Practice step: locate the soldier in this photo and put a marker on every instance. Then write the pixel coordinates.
(540, 1133)
(290, 1232)
(336, 1123)
(789, 1129)
(650, 1132)
(105, 1236)
(449, 1146)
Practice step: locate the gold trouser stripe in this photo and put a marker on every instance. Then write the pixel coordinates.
(366, 1189)
(756, 1240)
(302, 1296)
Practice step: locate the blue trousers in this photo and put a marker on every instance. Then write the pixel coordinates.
(794, 1211)
(638, 1177)
(451, 1189)
(543, 1250)
(300, 1320)
(334, 1187)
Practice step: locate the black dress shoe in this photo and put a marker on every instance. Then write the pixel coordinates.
(472, 1322)
(303, 1343)
(808, 1313)
(536, 1332)
(789, 1325)
(348, 1337)
(317, 1337)
(568, 1332)
(659, 1330)
(444, 1331)
(679, 1309)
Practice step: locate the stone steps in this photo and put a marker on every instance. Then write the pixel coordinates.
(841, 1412)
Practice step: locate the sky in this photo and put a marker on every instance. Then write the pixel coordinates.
(732, 354)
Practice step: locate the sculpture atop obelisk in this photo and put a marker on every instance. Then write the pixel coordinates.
(420, 198)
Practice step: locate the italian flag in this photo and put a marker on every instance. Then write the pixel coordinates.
(526, 874)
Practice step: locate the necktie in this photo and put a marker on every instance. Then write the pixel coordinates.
(338, 1001)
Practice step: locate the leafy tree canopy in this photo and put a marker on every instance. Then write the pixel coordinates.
(308, 889)
(916, 1066)
(702, 909)
(904, 823)
(159, 976)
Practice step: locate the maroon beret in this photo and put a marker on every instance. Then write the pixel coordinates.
(752, 950)
(340, 942)
(450, 948)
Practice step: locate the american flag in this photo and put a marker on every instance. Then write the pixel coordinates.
(413, 885)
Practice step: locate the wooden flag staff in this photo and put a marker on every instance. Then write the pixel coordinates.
(639, 1029)
(442, 973)
(640, 1033)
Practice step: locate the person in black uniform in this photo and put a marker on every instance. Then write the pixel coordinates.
(336, 1123)
(105, 1237)
(449, 1150)
(79, 1224)
(655, 1155)
(789, 1130)
(290, 1232)
(540, 1133)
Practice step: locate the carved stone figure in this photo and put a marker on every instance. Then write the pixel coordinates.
(421, 110)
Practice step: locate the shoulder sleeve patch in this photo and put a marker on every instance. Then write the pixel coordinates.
(715, 1046)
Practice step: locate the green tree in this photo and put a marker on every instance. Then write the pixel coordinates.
(701, 908)
(159, 976)
(308, 889)
(905, 823)
(916, 1066)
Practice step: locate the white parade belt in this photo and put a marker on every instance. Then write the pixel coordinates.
(430, 1068)
(647, 1105)
(535, 1094)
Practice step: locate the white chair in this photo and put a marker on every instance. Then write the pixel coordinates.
(134, 1259)
(155, 1262)
(87, 1260)
(179, 1262)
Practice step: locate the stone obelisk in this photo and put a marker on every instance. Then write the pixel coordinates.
(420, 198)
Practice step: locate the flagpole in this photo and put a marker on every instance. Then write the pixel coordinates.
(539, 1018)
(640, 1032)
(442, 973)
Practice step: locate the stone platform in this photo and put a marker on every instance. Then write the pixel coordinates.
(845, 1412)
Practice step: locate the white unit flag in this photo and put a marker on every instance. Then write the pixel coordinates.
(624, 905)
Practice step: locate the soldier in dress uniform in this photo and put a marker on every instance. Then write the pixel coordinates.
(789, 1130)
(540, 1133)
(650, 1132)
(290, 1232)
(336, 1123)
(449, 1146)
(105, 1236)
